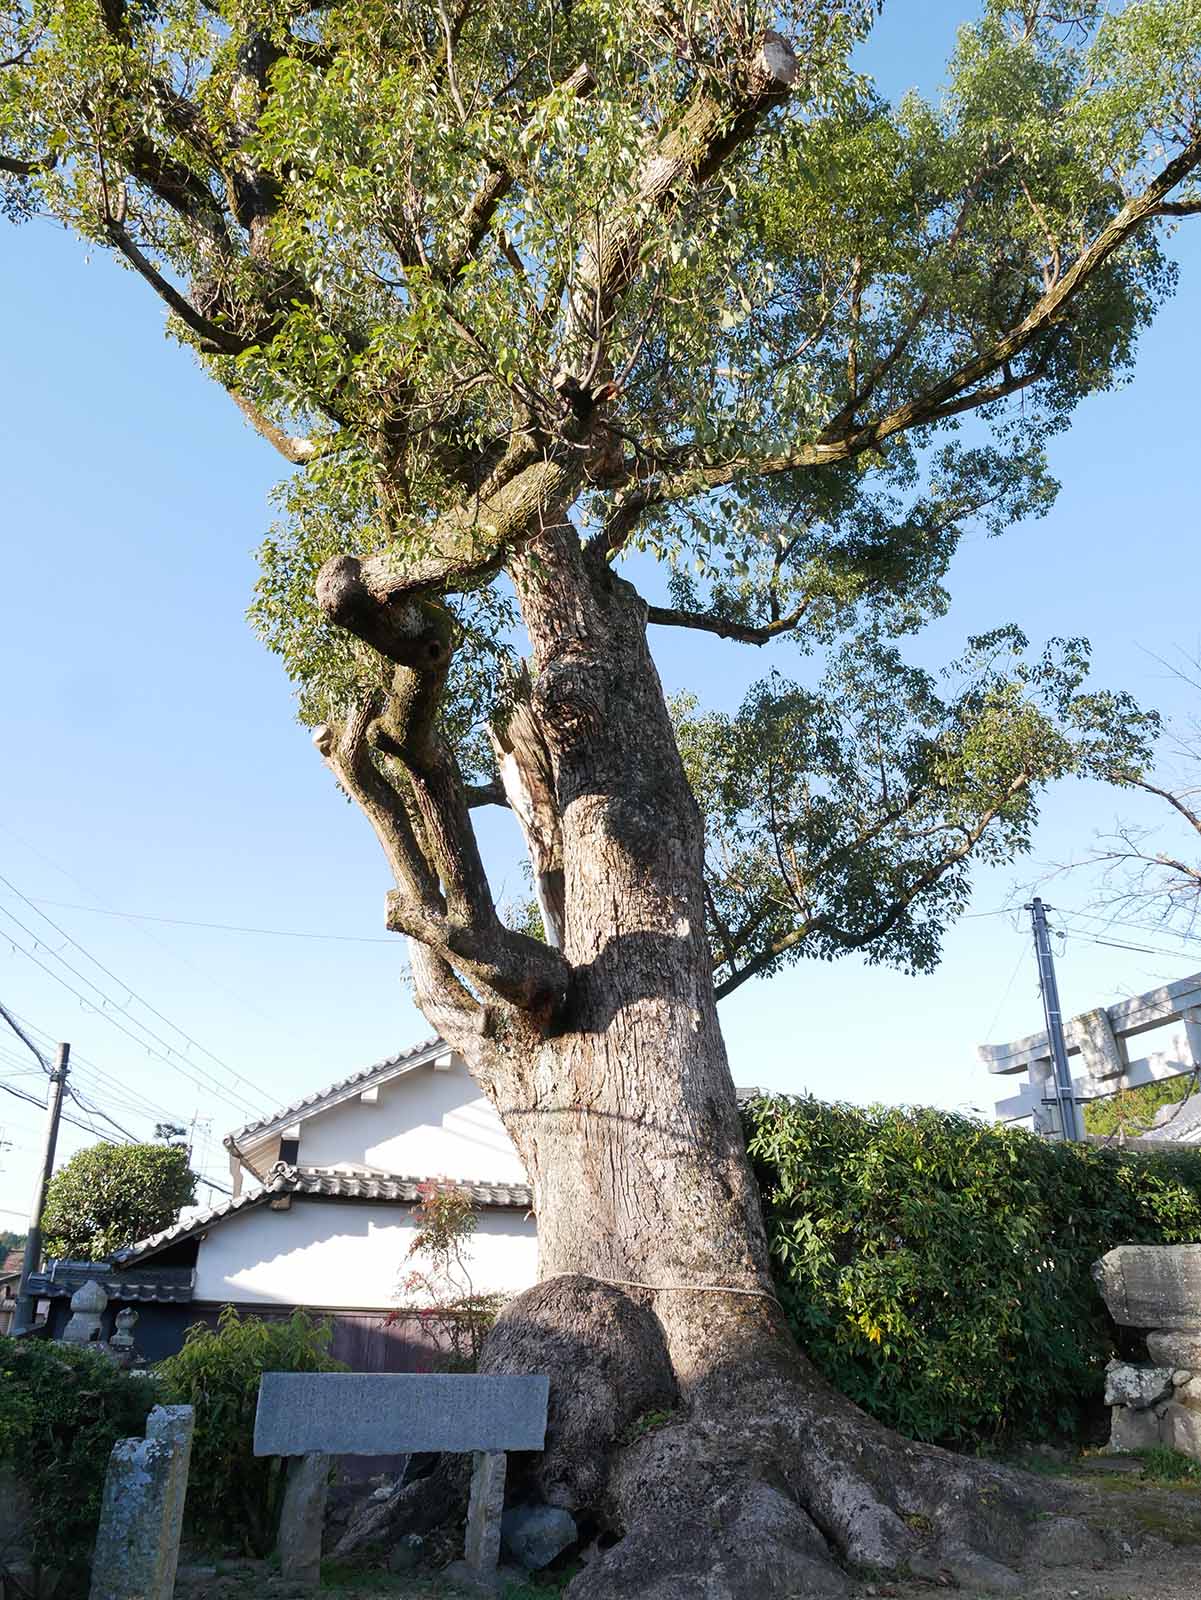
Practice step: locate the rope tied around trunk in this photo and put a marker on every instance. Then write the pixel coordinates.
(679, 1288)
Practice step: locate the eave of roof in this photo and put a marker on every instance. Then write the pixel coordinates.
(61, 1280)
(332, 1094)
(332, 1183)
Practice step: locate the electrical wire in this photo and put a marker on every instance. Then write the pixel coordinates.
(212, 1086)
(34, 1101)
(231, 927)
(116, 1092)
(183, 1033)
(24, 1038)
(95, 1111)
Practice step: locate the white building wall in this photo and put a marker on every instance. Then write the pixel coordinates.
(423, 1124)
(348, 1254)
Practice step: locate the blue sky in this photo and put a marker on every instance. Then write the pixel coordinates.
(155, 766)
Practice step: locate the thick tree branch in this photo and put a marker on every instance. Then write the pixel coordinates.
(460, 927)
(26, 169)
(293, 448)
(1174, 800)
(214, 340)
(963, 389)
(725, 627)
(486, 794)
(689, 153)
(478, 218)
(524, 496)
(884, 924)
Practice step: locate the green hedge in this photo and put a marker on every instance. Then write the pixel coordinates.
(937, 1269)
(61, 1411)
(234, 1496)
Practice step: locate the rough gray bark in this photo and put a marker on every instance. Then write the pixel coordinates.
(685, 1425)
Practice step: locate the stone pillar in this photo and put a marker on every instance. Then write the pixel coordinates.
(484, 1510)
(1045, 1116)
(302, 1519)
(141, 1514)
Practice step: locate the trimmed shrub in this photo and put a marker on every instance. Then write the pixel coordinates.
(233, 1495)
(111, 1194)
(937, 1268)
(61, 1412)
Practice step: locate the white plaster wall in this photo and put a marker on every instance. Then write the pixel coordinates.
(425, 1124)
(348, 1254)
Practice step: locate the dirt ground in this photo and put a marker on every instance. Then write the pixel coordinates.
(1139, 1540)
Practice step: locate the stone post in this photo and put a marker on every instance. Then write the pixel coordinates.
(141, 1514)
(485, 1507)
(302, 1519)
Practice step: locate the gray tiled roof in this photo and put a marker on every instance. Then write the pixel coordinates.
(336, 1183)
(363, 1184)
(66, 1276)
(315, 1102)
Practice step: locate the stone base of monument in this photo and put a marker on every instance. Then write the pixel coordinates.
(495, 1581)
(311, 1416)
(1156, 1403)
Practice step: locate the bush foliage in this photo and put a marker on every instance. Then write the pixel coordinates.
(937, 1269)
(441, 1293)
(61, 1411)
(234, 1495)
(1132, 1111)
(110, 1195)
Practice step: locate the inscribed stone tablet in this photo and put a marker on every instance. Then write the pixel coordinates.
(387, 1413)
(1152, 1285)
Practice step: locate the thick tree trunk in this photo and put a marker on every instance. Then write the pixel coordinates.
(686, 1429)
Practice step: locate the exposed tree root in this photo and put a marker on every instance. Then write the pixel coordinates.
(760, 1481)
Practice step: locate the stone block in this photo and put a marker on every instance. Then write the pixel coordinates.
(302, 1519)
(1152, 1286)
(87, 1309)
(1180, 1429)
(1136, 1386)
(1132, 1430)
(406, 1553)
(1063, 1542)
(484, 1508)
(141, 1512)
(387, 1413)
(1176, 1347)
(535, 1535)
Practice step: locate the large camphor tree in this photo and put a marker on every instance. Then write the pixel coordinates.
(534, 295)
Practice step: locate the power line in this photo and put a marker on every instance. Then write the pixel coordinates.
(96, 1112)
(224, 1065)
(24, 1038)
(212, 1086)
(168, 950)
(274, 933)
(34, 1101)
(1117, 944)
(114, 1089)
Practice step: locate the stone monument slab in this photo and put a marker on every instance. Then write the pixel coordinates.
(387, 1413)
(1152, 1286)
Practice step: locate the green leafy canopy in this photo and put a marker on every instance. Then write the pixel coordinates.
(399, 234)
(111, 1195)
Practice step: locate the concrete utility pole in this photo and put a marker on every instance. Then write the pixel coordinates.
(1070, 1124)
(26, 1302)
